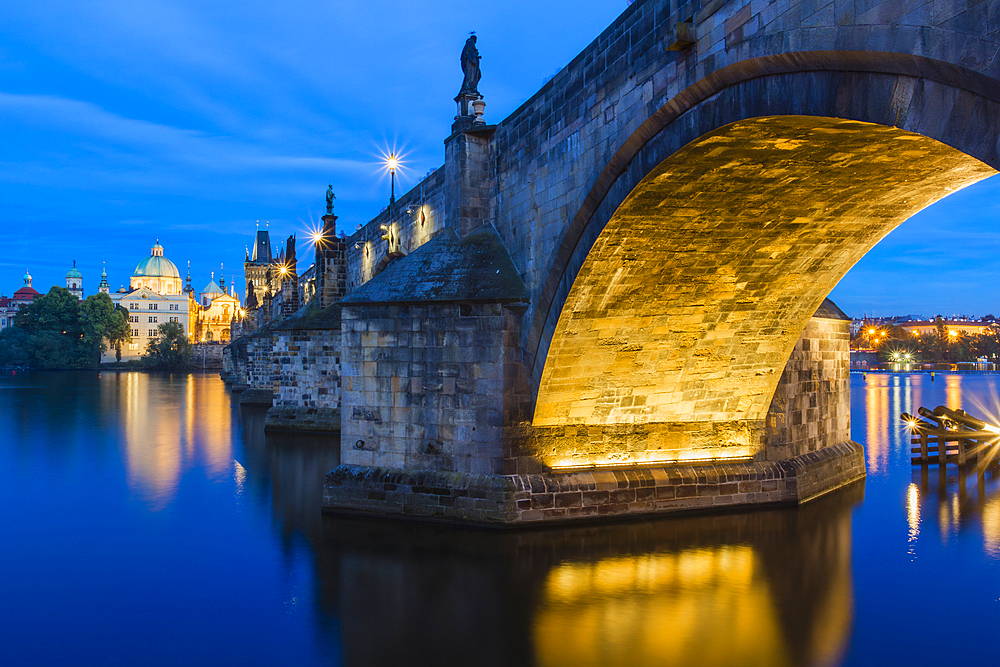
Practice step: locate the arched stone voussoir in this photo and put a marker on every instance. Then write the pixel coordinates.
(940, 100)
(684, 311)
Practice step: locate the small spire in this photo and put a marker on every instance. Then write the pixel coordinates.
(74, 263)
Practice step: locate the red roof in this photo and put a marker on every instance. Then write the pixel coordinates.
(26, 294)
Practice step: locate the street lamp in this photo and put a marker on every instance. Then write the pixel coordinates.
(391, 163)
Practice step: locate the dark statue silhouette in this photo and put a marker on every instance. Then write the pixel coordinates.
(470, 66)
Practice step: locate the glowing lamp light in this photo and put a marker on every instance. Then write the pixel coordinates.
(284, 270)
(317, 237)
(392, 162)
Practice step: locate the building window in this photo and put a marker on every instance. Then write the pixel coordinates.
(173, 319)
(135, 332)
(133, 306)
(133, 318)
(133, 346)
(153, 306)
(152, 333)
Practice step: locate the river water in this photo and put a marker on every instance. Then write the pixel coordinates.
(145, 521)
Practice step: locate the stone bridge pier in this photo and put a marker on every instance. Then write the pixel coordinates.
(613, 302)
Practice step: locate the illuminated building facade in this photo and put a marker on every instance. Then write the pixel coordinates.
(215, 313)
(952, 327)
(156, 273)
(155, 297)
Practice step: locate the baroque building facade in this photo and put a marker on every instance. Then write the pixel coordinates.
(155, 296)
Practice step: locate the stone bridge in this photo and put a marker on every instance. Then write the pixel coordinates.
(626, 276)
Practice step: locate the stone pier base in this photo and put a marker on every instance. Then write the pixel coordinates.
(519, 500)
(298, 418)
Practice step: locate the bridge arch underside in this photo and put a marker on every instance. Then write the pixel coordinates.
(686, 306)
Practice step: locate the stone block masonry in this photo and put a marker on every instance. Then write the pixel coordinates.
(811, 408)
(805, 449)
(259, 369)
(306, 366)
(676, 203)
(424, 385)
(519, 500)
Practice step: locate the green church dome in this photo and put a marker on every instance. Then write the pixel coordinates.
(156, 265)
(74, 272)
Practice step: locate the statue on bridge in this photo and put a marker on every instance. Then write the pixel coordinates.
(329, 199)
(251, 300)
(470, 66)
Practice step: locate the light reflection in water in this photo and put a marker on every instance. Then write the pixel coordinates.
(762, 588)
(957, 499)
(697, 606)
(180, 424)
(913, 514)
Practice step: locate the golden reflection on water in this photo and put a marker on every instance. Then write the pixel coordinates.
(698, 606)
(957, 498)
(886, 397)
(772, 587)
(171, 424)
(913, 514)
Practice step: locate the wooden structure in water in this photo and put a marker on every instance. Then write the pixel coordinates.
(954, 437)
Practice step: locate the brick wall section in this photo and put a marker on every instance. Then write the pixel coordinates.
(811, 408)
(307, 379)
(511, 500)
(425, 387)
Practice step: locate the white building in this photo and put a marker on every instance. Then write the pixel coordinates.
(155, 297)
(74, 282)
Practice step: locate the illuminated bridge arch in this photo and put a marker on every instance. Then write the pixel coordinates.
(708, 241)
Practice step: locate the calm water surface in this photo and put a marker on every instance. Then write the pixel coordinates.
(145, 521)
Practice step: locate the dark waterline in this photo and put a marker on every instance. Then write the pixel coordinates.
(146, 521)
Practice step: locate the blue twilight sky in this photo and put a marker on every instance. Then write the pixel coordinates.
(127, 121)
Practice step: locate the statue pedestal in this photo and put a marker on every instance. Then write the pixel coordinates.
(469, 117)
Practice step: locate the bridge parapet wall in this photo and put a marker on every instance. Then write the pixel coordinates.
(412, 221)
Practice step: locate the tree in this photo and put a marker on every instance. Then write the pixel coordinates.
(15, 347)
(56, 311)
(57, 330)
(170, 348)
(120, 332)
(100, 321)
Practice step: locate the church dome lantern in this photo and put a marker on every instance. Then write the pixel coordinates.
(157, 273)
